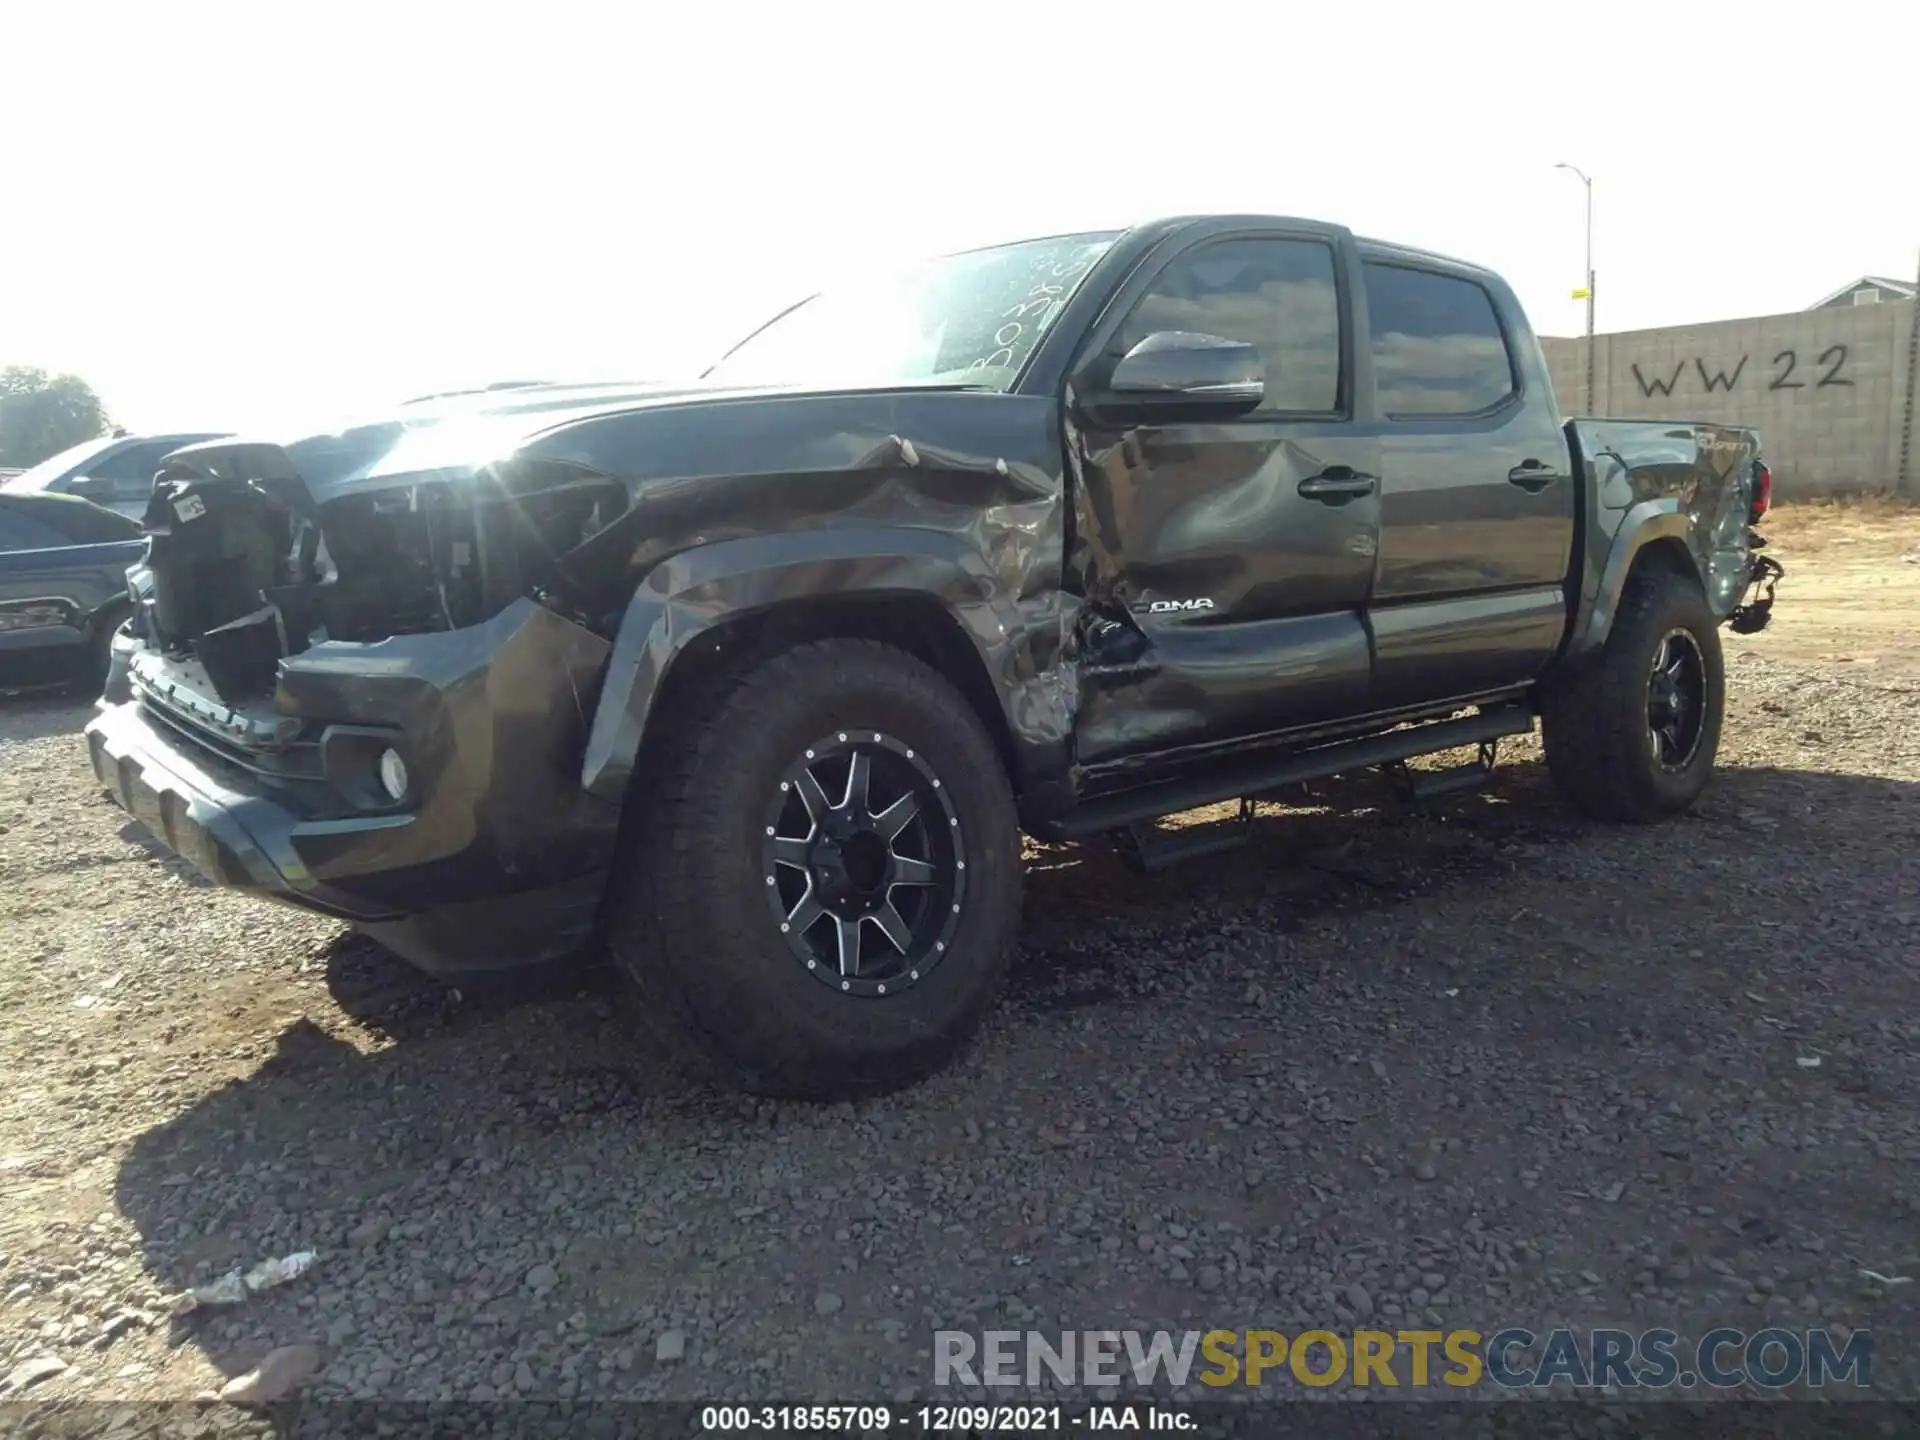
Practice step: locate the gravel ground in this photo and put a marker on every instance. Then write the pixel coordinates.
(1473, 1065)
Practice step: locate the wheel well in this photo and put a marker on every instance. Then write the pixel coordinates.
(108, 617)
(1668, 553)
(916, 623)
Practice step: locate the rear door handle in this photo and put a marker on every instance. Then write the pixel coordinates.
(1337, 485)
(1532, 475)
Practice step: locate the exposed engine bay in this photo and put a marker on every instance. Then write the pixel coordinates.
(246, 570)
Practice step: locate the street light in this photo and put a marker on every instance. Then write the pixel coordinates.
(1587, 181)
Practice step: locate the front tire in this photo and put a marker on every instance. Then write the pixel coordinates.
(1632, 736)
(823, 877)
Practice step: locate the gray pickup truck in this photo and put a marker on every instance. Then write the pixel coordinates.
(757, 681)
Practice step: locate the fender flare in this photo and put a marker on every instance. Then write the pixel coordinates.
(695, 590)
(1645, 523)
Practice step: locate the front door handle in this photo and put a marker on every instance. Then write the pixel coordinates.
(1532, 475)
(1337, 484)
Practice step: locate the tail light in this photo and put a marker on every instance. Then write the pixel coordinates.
(1762, 494)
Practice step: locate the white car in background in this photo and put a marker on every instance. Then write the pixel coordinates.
(115, 470)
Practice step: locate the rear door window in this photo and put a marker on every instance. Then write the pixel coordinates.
(1438, 348)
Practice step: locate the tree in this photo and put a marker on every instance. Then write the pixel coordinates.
(42, 414)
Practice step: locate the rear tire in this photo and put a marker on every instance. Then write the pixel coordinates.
(725, 849)
(1633, 734)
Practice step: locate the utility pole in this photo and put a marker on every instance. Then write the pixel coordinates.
(1587, 292)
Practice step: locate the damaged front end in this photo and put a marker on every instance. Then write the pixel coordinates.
(248, 572)
(372, 706)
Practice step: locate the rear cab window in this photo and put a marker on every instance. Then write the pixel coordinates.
(1438, 346)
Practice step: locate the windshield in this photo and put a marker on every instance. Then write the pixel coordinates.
(969, 319)
(47, 471)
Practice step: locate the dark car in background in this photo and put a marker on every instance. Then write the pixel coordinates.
(63, 589)
(114, 470)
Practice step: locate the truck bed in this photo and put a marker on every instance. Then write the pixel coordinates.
(1692, 480)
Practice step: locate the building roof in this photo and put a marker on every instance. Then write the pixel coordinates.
(1899, 287)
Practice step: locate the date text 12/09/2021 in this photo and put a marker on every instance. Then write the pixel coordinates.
(944, 1419)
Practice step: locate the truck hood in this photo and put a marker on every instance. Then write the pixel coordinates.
(445, 434)
(442, 514)
(447, 438)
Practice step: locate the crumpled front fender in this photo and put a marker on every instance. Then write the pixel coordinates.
(1006, 624)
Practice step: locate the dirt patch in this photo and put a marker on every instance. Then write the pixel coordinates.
(1852, 590)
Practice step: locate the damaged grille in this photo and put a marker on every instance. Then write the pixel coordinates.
(182, 689)
(247, 571)
(178, 695)
(294, 766)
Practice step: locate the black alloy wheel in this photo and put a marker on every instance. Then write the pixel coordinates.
(819, 881)
(1676, 700)
(864, 862)
(1631, 732)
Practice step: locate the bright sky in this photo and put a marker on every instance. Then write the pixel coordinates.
(254, 216)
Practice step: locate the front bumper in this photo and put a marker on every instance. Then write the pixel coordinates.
(248, 841)
(497, 859)
(120, 655)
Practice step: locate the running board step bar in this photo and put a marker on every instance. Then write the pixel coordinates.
(1258, 773)
(1412, 785)
(1148, 849)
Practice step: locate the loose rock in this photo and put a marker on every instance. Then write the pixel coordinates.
(278, 1375)
(29, 1373)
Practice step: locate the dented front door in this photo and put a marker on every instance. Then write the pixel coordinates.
(1228, 564)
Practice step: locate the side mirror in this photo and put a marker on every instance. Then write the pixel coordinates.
(1181, 371)
(90, 487)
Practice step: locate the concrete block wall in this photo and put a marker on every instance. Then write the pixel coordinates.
(1827, 389)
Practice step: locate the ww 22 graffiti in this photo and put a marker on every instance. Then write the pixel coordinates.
(1827, 369)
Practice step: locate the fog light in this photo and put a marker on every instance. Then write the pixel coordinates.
(393, 774)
